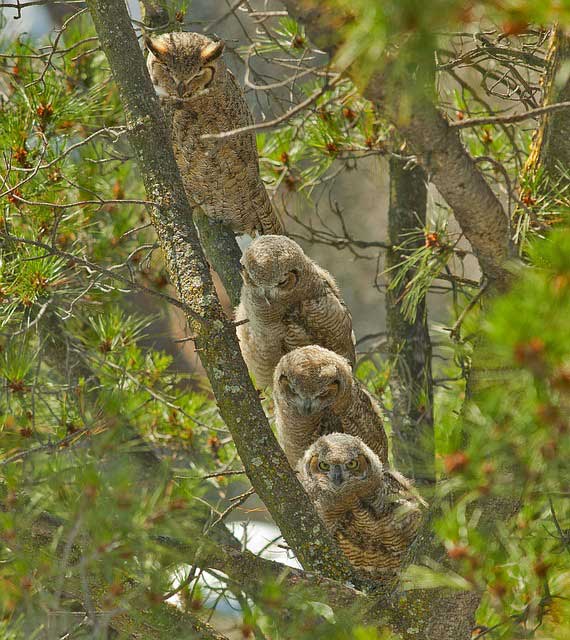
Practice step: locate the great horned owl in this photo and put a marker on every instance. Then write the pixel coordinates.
(289, 302)
(371, 511)
(199, 95)
(315, 394)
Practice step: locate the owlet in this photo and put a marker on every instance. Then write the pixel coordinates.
(199, 95)
(316, 394)
(289, 302)
(371, 511)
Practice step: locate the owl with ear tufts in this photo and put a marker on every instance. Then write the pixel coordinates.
(199, 96)
(372, 512)
(315, 393)
(289, 302)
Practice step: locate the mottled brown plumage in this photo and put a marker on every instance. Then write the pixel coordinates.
(289, 302)
(315, 394)
(199, 95)
(372, 512)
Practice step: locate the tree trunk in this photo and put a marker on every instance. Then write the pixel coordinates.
(409, 342)
(223, 253)
(215, 338)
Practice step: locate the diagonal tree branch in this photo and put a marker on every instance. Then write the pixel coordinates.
(216, 341)
(139, 620)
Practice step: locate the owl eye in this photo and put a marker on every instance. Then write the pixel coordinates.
(332, 388)
(324, 466)
(206, 74)
(353, 464)
(289, 281)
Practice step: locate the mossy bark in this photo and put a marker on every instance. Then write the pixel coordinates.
(223, 253)
(408, 341)
(214, 333)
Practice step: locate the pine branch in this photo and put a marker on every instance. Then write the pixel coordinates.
(436, 144)
(217, 345)
(139, 620)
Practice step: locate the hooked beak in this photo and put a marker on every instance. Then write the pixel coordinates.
(180, 89)
(336, 475)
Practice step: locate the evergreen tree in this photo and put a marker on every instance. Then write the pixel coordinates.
(120, 467)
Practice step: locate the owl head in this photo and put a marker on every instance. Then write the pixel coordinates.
(339, 464)
(182, 65)
(274, 266)
(310, 379)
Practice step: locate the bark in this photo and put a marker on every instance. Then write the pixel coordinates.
(222, 252)
(551, 150)
(438, 147)
(216, 342)
(409, 341)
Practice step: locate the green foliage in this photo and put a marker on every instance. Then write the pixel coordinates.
(86, 390)
(517, 424)
(81, 384)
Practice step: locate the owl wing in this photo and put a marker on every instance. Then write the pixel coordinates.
(223, 174)
(324, 321)
(366, 420)
(403, 503)
(399, 485)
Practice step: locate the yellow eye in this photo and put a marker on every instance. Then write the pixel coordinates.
(353, 464)
(324, 466)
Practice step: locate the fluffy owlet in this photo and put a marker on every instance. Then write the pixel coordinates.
(199, 95)
(371, 511)
(289, 302)
(316, 394)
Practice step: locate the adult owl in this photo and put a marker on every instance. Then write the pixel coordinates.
(200, 95)
(371, 511)
(315, 393)
(289, 301)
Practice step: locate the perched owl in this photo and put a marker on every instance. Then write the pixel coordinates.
(289, 302)
(371, 511)
(199, 95)
(316, 394)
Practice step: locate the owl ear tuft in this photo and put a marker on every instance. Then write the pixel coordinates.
(158, 49)
(212, 51)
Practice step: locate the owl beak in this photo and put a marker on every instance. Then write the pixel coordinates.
(181, 89)
(306, 407)
(336, 475)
